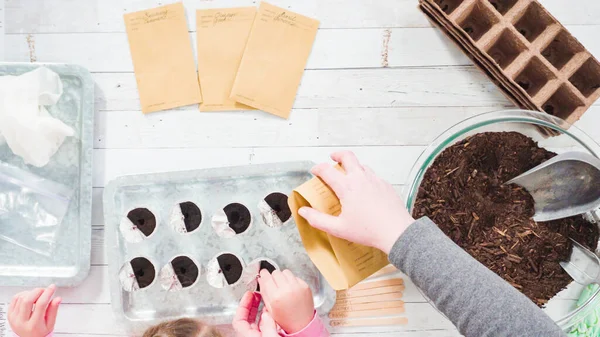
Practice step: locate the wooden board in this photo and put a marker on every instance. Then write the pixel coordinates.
(48, 16)
(333, 48)
(381, 82)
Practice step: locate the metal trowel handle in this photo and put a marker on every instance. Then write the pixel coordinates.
(564, 186)
(583, 265)
(595, 214)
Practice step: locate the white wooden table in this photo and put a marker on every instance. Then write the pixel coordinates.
(380, 81)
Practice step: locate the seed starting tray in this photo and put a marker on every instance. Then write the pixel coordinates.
(189, 244)
(69, 263)
(524, 50)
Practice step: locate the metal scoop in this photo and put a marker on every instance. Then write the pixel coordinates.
(583, 265)
(564, 186)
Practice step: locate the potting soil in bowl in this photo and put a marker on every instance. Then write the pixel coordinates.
(463, 192)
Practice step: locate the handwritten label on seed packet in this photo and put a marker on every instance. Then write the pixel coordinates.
(342, 263)
(163, 59)
(271, 69)
(222, 36)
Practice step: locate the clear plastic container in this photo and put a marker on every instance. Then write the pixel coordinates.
(31, 209)
(562, 308)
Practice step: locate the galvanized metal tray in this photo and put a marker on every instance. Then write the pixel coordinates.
(210, 190)
(72, 166)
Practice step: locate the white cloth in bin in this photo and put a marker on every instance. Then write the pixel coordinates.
(25, 124)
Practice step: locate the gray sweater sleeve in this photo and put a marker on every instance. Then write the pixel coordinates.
(475, 299)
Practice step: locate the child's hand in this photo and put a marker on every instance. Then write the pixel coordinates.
(288, 299)
(33, 313)
(244, 322)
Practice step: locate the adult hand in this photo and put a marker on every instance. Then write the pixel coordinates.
(372, 213)
(33, 313)
(288, 299)
(244, 322)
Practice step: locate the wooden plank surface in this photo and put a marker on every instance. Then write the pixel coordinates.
(306, 127)
(333, 48)
(67, 16)
(380, 81)
(350, 88)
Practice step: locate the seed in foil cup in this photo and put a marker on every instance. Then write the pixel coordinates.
(181, 272)
(224, 270)
(137, 274)
(186, 217)
(139, 224)
(274, 209)
(232, 220)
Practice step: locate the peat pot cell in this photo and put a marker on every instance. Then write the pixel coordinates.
(139, 224)
(224, 270)
(478, 21)
(562, 103)
(506, 48)
(136, 274)
(448, 6)
(587, 78)
(185, 217)
(562, 49)
(503, 6)
(274, 209)
(181, 272)
(534, 76)
(232, 220)
(533, 22)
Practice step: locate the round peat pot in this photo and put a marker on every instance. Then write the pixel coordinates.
(550, 133)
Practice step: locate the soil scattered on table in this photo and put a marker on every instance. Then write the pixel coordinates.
(463, 192)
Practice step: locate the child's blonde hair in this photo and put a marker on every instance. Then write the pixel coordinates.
(183, 327)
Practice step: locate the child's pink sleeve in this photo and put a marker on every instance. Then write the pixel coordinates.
(315, 328)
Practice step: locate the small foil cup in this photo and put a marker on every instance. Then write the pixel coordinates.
(217, 277)
(137, 274)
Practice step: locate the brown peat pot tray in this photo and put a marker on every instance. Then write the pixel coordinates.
(524, 50)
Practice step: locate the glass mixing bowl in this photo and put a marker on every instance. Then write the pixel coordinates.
(562, 308)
